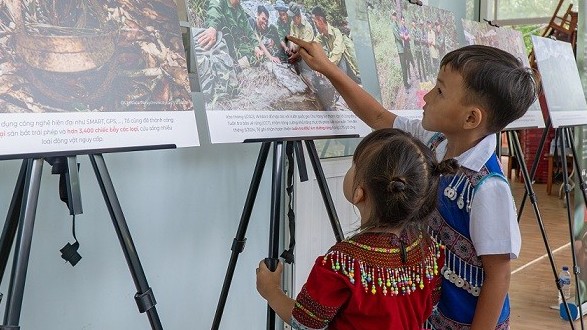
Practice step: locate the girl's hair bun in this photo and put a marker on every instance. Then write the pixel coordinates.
(396, 185)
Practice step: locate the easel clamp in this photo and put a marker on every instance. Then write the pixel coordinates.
(146, 300)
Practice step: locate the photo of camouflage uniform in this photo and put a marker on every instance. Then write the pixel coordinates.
(233, 22)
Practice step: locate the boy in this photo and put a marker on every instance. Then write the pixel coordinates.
(479, 91)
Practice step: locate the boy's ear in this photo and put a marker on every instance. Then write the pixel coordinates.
(358, 195)
(474, 118)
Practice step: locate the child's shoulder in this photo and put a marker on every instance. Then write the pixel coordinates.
(380, 249)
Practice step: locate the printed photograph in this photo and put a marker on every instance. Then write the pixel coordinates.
(510, 40)
(242, 56)
(555, 59)
(91, 56)
(409, 41)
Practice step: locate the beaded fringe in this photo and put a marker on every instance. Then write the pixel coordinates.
(400, 280)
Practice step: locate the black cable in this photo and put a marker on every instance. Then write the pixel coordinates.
(73, 227)
(288, 254)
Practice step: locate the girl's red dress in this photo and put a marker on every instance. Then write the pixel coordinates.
(371, 282)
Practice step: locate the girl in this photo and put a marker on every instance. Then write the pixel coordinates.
(386, 275)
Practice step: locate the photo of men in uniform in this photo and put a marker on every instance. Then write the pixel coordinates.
(408, 42)
(241, 51)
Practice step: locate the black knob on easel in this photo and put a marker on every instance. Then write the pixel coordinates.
(271, 263)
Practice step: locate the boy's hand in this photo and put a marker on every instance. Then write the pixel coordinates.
(311, 52)
(267, 281)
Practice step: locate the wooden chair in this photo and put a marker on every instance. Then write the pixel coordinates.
(562, 27)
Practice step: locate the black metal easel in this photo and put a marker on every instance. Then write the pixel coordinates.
(238, 243)
(565, 135)
(529, 192)
(21, 218)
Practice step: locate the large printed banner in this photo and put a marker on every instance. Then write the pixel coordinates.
(77, 76)
(250, 90)
(512, 42)
(560, 79)
(409, 41)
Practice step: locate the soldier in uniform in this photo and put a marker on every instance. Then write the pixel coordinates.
(283, 19)
(418, 42)
(399, 43)
(228, 20)
(268, 43)
(338, 47)
(300, 27)
(434, 59)
(406, 37)
(440, 39)
(283, 28)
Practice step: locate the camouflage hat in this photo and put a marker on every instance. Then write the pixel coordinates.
(280, 6)
(294, 9)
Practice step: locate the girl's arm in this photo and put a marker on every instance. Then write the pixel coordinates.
(269, 286)
(495, 288)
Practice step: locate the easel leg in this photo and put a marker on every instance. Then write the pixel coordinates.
(276, 196)
(326, 196)
(513, 137)
(277, 189)
(565, 136)
(534, 165)
(583, 187)
(578, 169)
(28, 209)
(238, 243)
(11, 224)
(144, 297)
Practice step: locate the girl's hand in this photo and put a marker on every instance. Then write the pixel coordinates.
(311, 52)
(267, 281)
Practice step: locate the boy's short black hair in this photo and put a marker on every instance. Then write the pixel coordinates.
(495, 80)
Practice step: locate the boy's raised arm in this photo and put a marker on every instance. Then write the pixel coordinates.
(359, 100)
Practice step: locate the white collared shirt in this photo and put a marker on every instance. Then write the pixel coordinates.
(493, 219)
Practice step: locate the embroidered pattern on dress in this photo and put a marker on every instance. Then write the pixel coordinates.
(462, 266)
(307, 311)
(296, 325)
(391, 277)
(374, 261)
(448, 236)
(441, 322)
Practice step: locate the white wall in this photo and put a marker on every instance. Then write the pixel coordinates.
(314, 232)
(182, 207)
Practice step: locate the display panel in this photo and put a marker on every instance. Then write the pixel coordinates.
(250, 90)
(77, 76)
(561, 83)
